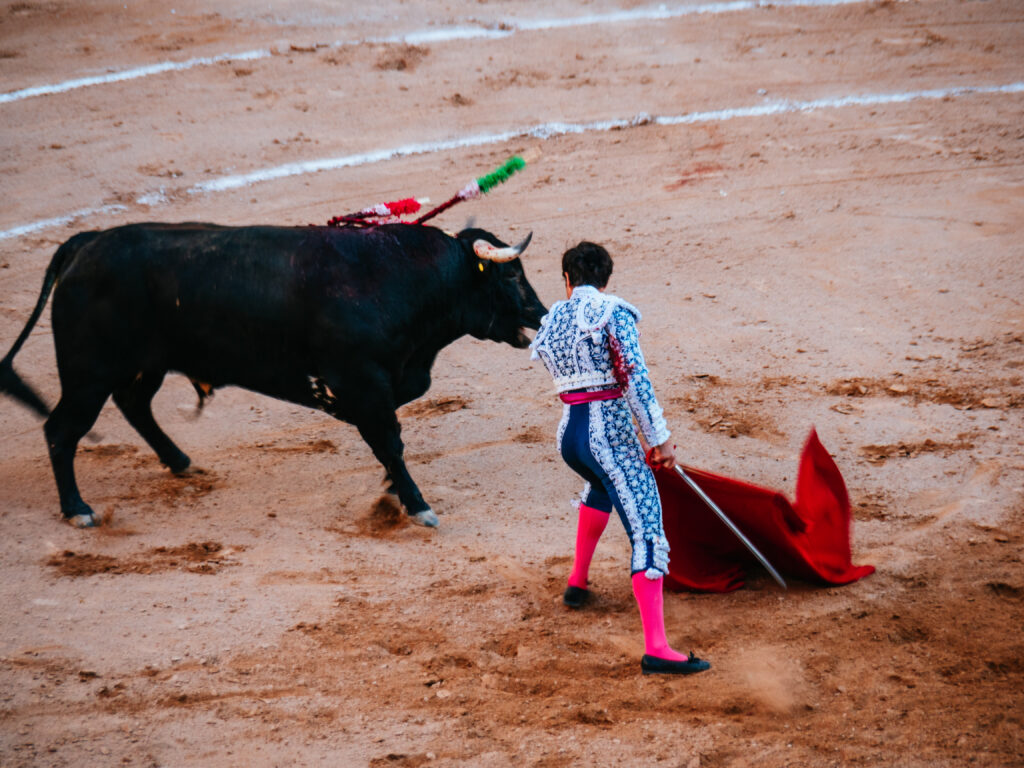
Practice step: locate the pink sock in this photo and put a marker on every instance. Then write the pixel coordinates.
(588, 530)
(652, 617)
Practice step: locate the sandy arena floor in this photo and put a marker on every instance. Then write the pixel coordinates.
(856, 266)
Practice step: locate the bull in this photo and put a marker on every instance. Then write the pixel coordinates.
(348, 321)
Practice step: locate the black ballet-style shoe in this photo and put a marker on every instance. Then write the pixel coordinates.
(575, 597)
(652, 665)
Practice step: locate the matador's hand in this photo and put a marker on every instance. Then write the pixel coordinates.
(663, 456)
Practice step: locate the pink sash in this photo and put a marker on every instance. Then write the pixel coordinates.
(576, 398)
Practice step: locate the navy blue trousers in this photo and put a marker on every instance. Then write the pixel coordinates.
(586, 433)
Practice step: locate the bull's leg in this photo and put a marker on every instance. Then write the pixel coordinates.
(414, 383)
(135, 402)
(383, 435)
(70, 421)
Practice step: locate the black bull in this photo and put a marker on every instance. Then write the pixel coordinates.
(348, 321)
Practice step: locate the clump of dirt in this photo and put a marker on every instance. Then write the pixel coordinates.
(107, 450)
(514, 77)
(1001, 588)
(992, 394)
(878, 454)
(193, 485)
(70, 563)
(321, 446)
(195, 557)
(400, 760)
(312, 446)
(385, 518)
(770, 383)
(696, 172)
(337, 56)
(715, 417)
(533, 435)
(1007, 345)
(434, 406)
(401, 58)
(873, 506)
(458, 100)
(734, 425)
(854, 387)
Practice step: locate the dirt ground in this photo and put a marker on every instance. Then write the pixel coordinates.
(857, 268)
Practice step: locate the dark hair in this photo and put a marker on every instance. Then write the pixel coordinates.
(587, 264)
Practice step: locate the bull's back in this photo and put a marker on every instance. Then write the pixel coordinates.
(236, 305)
(220, 303)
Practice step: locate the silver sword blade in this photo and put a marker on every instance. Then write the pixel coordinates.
(731, 526)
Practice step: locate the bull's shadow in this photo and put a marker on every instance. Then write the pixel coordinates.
(345, 320)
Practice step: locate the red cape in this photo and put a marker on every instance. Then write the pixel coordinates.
(808, 539)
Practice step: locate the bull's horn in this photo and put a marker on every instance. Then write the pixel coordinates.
(488, 252)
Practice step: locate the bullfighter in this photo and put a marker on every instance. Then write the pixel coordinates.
(590, 345)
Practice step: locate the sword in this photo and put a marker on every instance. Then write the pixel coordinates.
(730, 525)
(721, 515)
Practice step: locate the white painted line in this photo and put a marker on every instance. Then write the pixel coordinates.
(442, 35)
(128, 74)
(552, 129)
(661, 13)
(872, 99)
(435, 35)
(348, 161)
(60, 221)
(541, 131)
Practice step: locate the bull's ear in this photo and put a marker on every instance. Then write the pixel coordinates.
(488, 252)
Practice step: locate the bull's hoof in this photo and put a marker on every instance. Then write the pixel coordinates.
(188, 470)
(426, 518)
(84, 520)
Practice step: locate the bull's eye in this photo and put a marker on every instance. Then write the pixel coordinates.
(480, 266)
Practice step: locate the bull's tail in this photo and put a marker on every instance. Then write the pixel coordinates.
(10, 382)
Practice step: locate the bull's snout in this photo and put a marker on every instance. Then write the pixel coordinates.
(522, 341)
(530, 321)
(534, 314)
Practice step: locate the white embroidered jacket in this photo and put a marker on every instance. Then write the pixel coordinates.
(573, 345)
